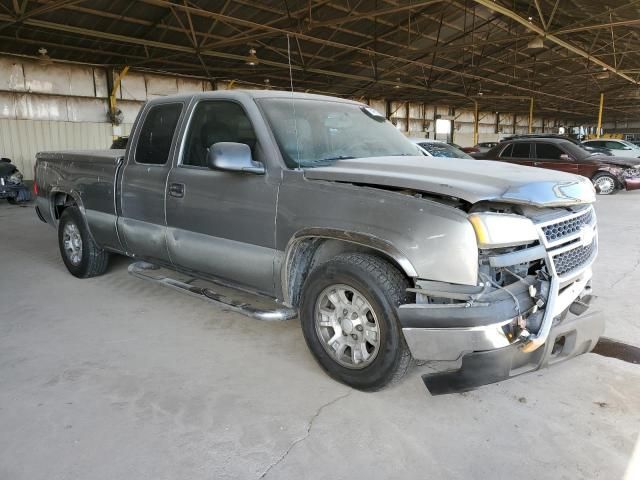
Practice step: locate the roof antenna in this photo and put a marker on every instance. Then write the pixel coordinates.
(293, 104)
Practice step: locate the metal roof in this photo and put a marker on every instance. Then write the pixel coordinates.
(499, 53)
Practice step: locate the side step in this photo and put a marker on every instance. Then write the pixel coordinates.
(260, 308)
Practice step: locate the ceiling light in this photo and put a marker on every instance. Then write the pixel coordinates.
(252, 59)
(397, 83)
(535, 44)
(43, 57)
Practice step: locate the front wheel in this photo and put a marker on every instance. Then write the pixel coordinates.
(349, 320)
(605, 183)
(80, 254)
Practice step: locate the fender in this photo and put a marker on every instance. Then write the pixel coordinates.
(78, 201)
(357, 238)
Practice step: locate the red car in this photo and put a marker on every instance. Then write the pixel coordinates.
(608, 173)
(482, 147)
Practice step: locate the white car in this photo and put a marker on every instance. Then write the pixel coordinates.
(620, 148)
(438, 148)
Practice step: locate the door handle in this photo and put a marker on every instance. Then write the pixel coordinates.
(176, 190)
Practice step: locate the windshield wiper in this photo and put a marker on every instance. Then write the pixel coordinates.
(333, 159)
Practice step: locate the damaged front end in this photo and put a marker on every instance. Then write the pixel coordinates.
(528, 308)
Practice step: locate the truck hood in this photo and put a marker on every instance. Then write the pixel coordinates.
(470, 180)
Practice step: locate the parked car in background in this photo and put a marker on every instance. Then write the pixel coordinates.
(608, 173)
(616, 147)
(482, 147)
(437, 148)
(11, 186)
(590, 148)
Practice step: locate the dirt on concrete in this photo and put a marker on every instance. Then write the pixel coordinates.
(116, 378)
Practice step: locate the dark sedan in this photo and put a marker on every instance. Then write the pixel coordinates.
(608, 174)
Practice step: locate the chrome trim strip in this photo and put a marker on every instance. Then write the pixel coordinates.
(520, 256)
(449, 344)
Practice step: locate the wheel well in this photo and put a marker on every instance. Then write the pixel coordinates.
(60, 201)
(308, 253)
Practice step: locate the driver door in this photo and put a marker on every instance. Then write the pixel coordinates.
(550, 156)
(221, 223)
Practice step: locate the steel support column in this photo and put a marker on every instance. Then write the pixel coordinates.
(531, 115)
(598, 133)
(476, 121)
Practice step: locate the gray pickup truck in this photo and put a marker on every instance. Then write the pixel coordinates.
(321, 208)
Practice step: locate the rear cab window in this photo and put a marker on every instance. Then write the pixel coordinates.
(517, 150)
(548, 151)
(156, 134)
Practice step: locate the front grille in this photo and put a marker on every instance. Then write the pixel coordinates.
(565, 228)
(574, 259)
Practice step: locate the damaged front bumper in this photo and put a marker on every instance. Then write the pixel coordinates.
(490, 339)
(632, 183)
(488, 351)
(9, 190)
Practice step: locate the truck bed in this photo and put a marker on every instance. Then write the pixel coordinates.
(93, 156)
(91, 177)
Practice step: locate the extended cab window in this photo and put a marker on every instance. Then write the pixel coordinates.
(157, 133)
(547, 151)
(213, 122)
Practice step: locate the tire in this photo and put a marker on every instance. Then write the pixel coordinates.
(383, 288)
(606, 179)
(80, 254)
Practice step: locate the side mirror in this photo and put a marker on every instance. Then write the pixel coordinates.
(232, 157)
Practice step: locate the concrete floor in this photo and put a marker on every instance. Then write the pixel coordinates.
(116, 378)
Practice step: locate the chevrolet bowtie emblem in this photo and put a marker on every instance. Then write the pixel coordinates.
(586, 235)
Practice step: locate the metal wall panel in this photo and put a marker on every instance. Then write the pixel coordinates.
(12, 77)
(7, 105)
(159, 86)
(133, 87)
(81, 82)
(188, 85)
(20, 140)
(130, 110)
(100, 82)
(55, 79)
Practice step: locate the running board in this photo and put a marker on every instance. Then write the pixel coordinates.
(260, 308)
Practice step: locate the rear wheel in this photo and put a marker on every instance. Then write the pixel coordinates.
(605, 183)
(349, 320)
(80, 254)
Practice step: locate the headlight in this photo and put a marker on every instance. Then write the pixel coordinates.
(502, 230)
(16, 178)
